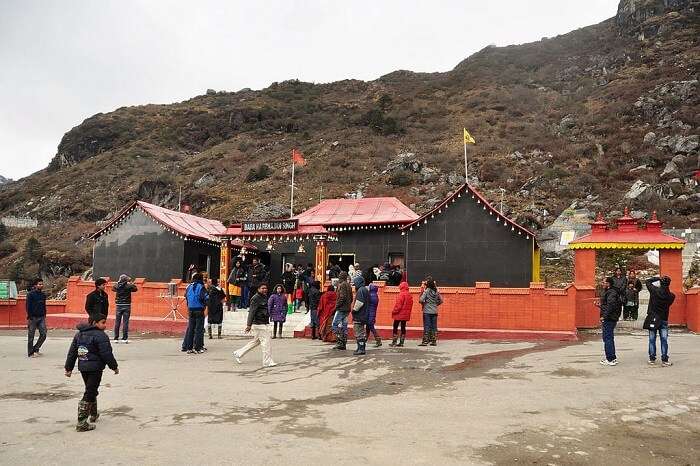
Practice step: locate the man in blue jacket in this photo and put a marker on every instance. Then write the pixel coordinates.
(36, 318)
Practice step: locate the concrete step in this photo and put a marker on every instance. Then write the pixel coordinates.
(235, 322)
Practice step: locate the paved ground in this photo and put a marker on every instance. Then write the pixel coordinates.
(464, 402)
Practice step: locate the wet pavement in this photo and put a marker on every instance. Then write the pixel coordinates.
(462, 402)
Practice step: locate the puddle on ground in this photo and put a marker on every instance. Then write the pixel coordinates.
(57, 395)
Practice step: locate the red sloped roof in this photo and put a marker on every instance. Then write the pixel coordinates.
(366, 211)
(641, 236)
(187, 225)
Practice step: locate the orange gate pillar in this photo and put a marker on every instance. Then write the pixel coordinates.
(587, 313)
(224, 265)
(584, 267)
(671, 264)
(321, 261)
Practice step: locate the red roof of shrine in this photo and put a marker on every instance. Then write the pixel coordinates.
(628, 234)
(366, 211)
(187, 225)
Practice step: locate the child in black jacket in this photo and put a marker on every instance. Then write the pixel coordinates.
(92, 349)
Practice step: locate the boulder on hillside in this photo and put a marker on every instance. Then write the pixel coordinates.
(671, 171)
(269, 209)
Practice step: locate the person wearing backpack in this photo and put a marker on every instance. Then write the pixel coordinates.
(197, 297)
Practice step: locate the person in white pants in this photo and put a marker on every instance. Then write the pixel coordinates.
(259, 324)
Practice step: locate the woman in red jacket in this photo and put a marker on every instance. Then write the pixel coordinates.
(326, 310)
(401, 313)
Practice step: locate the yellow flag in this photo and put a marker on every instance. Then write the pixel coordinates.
(468, 139)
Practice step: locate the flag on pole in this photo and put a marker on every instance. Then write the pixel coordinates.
(468, 139)
(297, 158)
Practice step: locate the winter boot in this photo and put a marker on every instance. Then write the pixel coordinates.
(83, 413)
(424, 341)
(401, 340)
(209, 328)
(433, 338)
(219, 331)
(313, 333)
(360, 348)
(377, 341)
(342, 342)
(393, 340)
(94, 415)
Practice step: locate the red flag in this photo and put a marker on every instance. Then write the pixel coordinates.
(297, 158)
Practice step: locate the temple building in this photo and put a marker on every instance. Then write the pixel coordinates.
(461, 241)
(144, 240)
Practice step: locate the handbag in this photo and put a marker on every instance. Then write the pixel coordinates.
(651, 322)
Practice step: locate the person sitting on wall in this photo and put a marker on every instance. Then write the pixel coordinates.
(97, 302)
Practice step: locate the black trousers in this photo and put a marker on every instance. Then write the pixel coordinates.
(403, 327)
(274, 332)
(92, 384)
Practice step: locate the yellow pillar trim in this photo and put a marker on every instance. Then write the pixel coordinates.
(626, 245)
(536, 263)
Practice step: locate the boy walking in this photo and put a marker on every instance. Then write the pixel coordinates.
(93, 351)
(259, 324)
(36, 318)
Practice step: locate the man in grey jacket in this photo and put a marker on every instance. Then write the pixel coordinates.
(360, 314)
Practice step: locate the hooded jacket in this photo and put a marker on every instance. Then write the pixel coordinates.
(277, 306)
(92, 349)
(430, 299)
(314, 296)
(360, 313)
(215, 305)
(123, 290)
(404, 304)
(373, 303)
(610, 305)
(660, 300)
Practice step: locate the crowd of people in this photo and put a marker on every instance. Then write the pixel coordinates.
(350, 293)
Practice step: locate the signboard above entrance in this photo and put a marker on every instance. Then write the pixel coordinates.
(270, 225)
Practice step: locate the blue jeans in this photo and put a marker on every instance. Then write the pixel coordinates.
(314, 318)
(609, 339)
(194, 336)
(663, 333)
(125, 314)
(34, 324)
(429, 323)
(340, 323)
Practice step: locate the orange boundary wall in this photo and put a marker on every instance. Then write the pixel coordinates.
(467, 312)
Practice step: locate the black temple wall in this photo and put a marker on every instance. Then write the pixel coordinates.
(464, 244)
(139, 247)
(192, 252)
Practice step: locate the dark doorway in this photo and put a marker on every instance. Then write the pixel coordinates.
(343, 260)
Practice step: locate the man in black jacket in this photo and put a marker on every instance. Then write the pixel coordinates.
(123, 289)
(36, 318)
(259, 324)
(660, 300)
(91, 348)
(257, 275)
(97, 302)
(610, 308)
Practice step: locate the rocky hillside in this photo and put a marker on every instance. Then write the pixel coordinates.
(606, 115)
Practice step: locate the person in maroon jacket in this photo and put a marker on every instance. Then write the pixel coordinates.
(401, 313)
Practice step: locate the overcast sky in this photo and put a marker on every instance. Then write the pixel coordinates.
(63, 61)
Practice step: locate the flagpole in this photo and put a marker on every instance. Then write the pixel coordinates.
(291, 203)
(466, 169)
